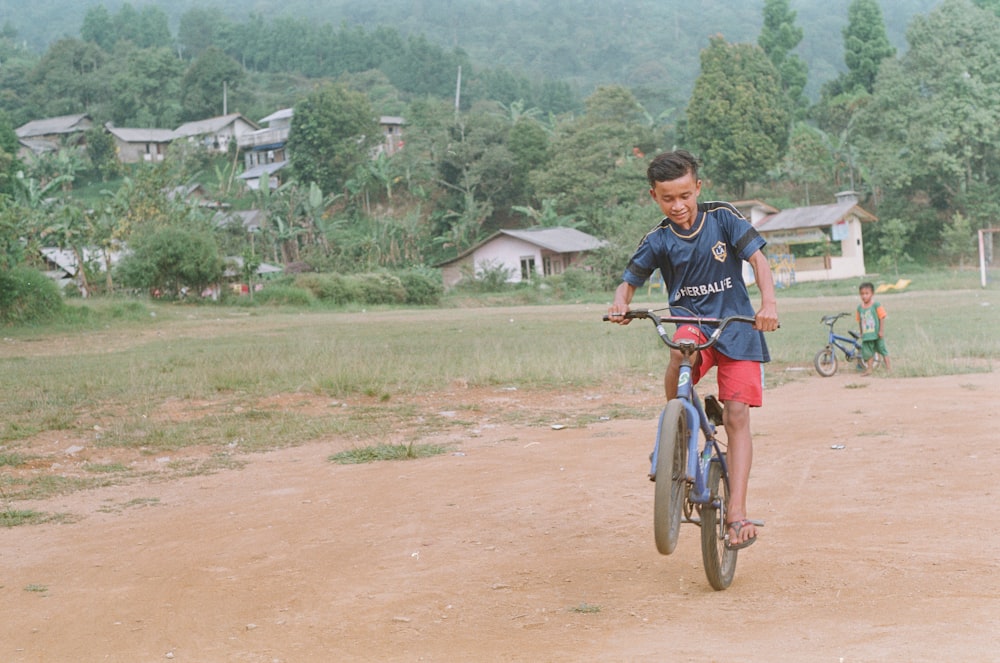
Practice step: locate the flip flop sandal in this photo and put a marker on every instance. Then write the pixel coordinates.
(738, 526)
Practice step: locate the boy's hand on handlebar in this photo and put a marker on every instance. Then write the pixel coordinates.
(616, 314)
(766, 318)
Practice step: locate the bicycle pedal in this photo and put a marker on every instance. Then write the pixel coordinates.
(713, 409)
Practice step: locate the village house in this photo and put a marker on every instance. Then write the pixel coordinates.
(264, 151)
(832, 233)
(215, 133)
(141, 145)
(523, 254)
(392, 134)
(48, 135)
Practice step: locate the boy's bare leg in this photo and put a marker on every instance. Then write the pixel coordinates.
(736, 418)
(868, 366)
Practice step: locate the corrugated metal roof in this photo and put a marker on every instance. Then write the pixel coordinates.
(282, 114)
(211, 125)
(261, 170)
(143, 135)
(559, 240)
(64, 124)
(814, 216)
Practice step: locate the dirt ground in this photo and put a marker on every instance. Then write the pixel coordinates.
(535, 543)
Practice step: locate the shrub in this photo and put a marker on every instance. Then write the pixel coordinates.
(380, 288)
(284, 295)
(28, 296)
(334, 288)
(423, 286)
(575, 281)
(487, 276)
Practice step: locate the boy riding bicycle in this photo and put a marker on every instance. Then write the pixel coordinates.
(700, 249)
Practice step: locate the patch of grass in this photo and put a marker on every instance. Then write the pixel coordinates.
(13, 459)
(131, 504)
(378, 452)
(45, 486)
(36, 588)
(15, 517)
(586, 608)
(105, 468)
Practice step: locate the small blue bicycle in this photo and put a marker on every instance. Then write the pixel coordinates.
(689, 480)
(825, 360)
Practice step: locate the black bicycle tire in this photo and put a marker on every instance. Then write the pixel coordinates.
(825, 362)
(719, 561)
(671, 460)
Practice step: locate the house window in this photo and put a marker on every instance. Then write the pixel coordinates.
(552, 265)
(527, 267)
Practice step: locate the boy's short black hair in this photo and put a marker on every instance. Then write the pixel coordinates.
(866, 284)
(671, 166)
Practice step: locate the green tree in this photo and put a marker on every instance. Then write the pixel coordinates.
(596, 161)
(808, 162)
(99, 28)
(147, 88)
(933, 122)
(333, 131)
(737, 119)
(778, 37)
(68, 230)
(866, 45)
(172, 258)
(198, 30)
(202, 88)
(102, 153)
(958, 240)
(69, 78)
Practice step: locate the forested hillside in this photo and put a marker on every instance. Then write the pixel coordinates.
(561, 107)
(629, 42)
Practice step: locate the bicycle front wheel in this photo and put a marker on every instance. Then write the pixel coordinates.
(720, 562)
(826, 362)
(671, 467)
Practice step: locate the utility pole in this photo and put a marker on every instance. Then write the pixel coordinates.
(458, 89)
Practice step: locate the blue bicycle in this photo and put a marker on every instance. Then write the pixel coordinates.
(692, 484)
(825, 360)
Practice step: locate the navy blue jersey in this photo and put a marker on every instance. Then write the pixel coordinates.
(703, 271)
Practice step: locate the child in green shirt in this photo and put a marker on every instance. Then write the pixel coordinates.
(871, 318)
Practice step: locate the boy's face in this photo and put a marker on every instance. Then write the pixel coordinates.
(866, 295)
(678, 199)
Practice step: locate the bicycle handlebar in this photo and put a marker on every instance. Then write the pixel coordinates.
(719, 323)
(831, 319)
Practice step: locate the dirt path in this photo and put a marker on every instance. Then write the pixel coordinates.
(535, 544)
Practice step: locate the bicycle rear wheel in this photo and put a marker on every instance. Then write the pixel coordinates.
(720, 562)
(671, 462)
(825, 362)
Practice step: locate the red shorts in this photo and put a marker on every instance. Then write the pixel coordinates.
(739, 380)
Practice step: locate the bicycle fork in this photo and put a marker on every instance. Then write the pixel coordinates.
(696, 472)
(697, 463)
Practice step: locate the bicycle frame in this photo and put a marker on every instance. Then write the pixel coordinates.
(697, 420)
(836, 340)
(695, 480)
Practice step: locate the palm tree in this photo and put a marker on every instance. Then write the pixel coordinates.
(69, 229)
